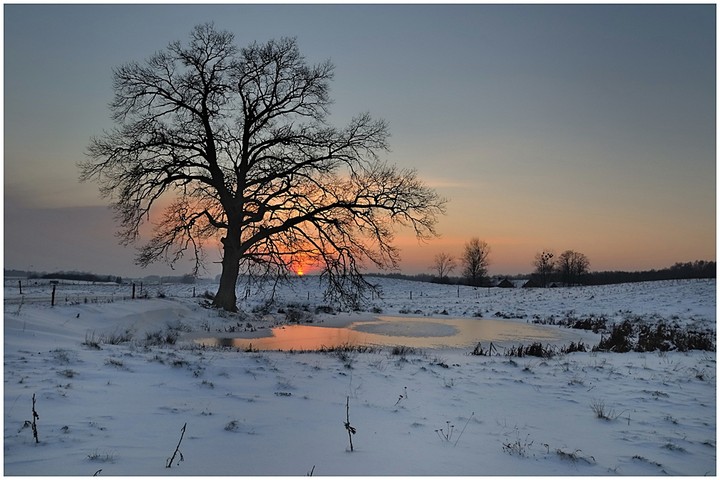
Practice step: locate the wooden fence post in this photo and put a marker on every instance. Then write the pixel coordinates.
(52, 300)
(133, 291)
(20, 285)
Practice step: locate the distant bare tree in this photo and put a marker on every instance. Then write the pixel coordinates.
(443, 265)
(237, 141)
(572, 266)
(544, 264)
(475, 261)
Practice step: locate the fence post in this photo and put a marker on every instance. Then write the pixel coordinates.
(52, 299)
(133, 291)
(20, 285)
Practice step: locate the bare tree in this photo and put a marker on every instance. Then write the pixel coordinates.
(443, 264)
(544, 264)
(475, 261)
(572, 265)
(238, 142)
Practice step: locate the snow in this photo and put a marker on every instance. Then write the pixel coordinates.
(119, 409)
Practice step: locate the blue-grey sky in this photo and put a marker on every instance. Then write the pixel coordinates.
(584, 127)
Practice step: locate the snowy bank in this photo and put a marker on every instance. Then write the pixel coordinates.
(112, 394)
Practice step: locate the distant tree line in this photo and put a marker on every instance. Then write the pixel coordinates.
(186, 279)
(76, 276)
(679, 271)
(572, 268)
(569, 268)
(92, 277)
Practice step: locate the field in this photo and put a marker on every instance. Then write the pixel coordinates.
(119, 389)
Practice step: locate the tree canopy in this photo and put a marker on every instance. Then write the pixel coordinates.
(237, 143)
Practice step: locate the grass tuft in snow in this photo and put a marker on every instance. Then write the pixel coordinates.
(520, 447)
(96, 456)
(598, 407)
(575, 456)
(446, 433)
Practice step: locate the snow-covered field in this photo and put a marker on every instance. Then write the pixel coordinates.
(112, 398)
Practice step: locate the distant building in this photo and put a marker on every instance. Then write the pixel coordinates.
(505, 283)
(532, 283)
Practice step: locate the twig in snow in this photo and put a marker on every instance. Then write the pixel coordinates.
(177, 449)
(97, 473)
(402, 397)
(350, 429)
(463, 429)
(446, 434)
(35, 416)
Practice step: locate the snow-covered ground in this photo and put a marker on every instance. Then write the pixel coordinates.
(112, 398)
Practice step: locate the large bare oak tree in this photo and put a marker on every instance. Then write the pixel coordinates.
(238, 145)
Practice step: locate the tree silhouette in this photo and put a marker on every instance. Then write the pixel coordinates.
(572, 266)
(475, 261)
(544, 264)
(443, 264)
(238, 142)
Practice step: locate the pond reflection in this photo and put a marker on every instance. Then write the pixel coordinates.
(391, 331)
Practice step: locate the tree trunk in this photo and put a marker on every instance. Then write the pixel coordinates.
(226, 297)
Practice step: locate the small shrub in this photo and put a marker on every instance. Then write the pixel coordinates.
(480, 351)
(61, 356)
(518, 447)
(297, 315)
(402, 350)
(598, 407)
(232, 426)
(96, 456)
(619, 340)
(575, 456)
(324, 309)
(91, 341)
(116, 338)
(263, 309)
(574, 347)
(159, 337)
(534, 350)
(68, 373)
(114, 362)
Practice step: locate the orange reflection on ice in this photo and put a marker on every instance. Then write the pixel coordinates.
(392, 331)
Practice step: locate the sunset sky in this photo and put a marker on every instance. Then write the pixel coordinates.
(589, 128)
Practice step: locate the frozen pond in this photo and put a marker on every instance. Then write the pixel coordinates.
(418, 332)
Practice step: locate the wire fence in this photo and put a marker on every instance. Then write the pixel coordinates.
(18, 292)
